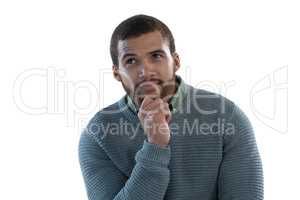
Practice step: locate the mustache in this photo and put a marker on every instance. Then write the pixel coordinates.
(157, 81)
(162, 84)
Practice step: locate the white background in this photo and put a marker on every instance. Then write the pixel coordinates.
(55, 75)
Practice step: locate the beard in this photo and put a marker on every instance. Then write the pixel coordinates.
(154, 88)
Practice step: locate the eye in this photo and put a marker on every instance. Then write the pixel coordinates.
(130, 61)
(157, 56)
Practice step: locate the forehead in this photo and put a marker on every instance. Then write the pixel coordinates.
(143, 44)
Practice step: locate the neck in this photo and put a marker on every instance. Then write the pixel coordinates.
(170, 90)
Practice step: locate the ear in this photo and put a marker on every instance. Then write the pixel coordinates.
(176, 61)
(116, 74)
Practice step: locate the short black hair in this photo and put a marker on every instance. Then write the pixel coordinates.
(136, 26)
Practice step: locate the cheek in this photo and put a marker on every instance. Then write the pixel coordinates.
(168, 70)
(163, 68)
(128, 81)
(170, 66)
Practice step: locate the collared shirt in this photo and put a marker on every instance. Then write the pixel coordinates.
(173, 102)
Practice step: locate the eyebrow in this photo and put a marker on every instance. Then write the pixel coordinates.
(127, 55)
(158, 51)
(152, 52)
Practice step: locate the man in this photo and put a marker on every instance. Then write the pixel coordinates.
(166, 139)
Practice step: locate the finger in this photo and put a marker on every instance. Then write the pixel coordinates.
(147, 100)
(146, 106)
(167, 98)
(151, 105)
(168, 118)
(167, 112)
(165, 107)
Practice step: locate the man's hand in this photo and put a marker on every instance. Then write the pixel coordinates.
(154, 115)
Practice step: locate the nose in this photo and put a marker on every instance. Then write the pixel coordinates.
(146, 70)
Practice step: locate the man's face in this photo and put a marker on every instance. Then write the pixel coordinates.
(146, 67)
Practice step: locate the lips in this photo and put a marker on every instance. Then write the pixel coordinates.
(149, 85)
(148, 89)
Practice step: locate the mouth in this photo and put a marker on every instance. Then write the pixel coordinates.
(151, 87)
(149, 84)
(153, 82)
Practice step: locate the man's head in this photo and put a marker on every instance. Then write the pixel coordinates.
(144, 59)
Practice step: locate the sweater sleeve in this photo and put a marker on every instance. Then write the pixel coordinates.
(241, 173)
(104, 181)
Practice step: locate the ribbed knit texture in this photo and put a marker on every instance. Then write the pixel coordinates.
(118, 163)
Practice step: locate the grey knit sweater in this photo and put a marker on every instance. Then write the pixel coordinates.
(212, 153)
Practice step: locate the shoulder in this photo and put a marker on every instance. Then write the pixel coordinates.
(104, 118)
(206, 102)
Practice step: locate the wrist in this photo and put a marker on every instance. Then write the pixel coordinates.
(161, 144)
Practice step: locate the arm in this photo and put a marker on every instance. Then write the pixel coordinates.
(104, 181)
(241, 173)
